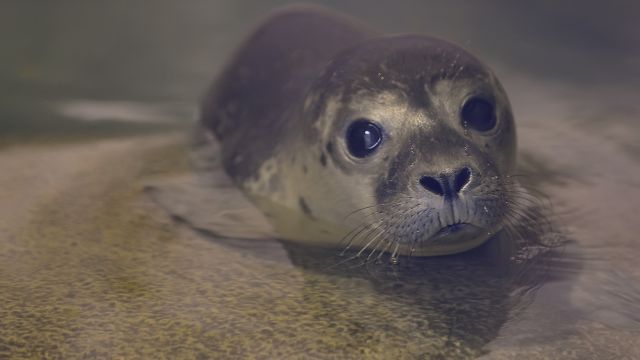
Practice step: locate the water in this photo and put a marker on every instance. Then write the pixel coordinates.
(95, 101)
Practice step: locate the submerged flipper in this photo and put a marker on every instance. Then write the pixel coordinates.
(208, 200)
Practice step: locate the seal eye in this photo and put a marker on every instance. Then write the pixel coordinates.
(363, 137)
(478, 114)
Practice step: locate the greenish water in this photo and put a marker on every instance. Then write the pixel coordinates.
(95, 100)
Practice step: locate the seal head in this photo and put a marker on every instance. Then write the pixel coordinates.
(423, 128)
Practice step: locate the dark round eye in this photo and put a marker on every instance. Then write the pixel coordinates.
(478, 113)
(363, 137)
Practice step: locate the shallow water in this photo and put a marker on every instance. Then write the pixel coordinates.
(94, 102)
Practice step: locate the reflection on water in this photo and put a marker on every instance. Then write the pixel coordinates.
(90, 267)
(463, 300)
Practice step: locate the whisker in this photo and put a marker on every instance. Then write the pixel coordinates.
(350, 242)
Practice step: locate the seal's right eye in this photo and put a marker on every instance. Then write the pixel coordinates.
(363, 137)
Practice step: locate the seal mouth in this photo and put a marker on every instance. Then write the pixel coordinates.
(458, 232)
(453, 229)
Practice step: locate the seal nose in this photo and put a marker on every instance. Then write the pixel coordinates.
(447, 185)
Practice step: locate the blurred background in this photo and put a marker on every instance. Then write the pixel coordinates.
(146, 62)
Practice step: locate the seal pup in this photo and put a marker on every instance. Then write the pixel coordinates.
(401, 144)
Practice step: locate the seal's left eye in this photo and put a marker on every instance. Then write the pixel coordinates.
(478, 114)
(363, 137)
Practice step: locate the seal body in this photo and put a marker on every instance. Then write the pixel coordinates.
(401, 144)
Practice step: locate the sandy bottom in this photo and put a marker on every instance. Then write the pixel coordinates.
(91, 268)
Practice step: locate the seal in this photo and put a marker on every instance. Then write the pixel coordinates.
(399, 144)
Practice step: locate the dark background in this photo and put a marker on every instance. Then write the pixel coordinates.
(168, 50)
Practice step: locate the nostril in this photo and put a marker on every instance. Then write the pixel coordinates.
(432, 185)
(462, 179)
